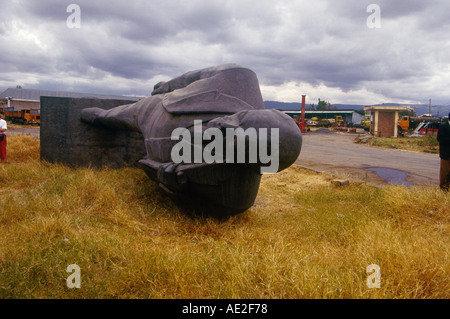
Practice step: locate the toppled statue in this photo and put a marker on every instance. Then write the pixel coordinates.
(208, 137)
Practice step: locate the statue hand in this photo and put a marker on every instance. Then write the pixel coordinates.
(89, 115)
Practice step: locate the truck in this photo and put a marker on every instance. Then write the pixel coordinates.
(339, 121)
(407, 123)
(427, 127)
(326, 122)
(25, 116)
(424, 124)
(365, 123)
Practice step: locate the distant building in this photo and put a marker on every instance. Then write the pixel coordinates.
(384, 119)
(349, 116)
(20, 99)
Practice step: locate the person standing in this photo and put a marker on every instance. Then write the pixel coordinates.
(3, 128)
(443, 138)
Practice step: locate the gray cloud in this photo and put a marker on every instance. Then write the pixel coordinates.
(122, 47)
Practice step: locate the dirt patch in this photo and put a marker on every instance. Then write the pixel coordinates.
(321, 130)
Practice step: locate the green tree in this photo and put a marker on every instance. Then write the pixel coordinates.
(322, 106)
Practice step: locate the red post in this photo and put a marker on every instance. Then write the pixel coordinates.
(303, 126)
(303, 109)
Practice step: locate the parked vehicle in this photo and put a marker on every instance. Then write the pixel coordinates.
(408, 123)
(365, 123)
(326, 122)
(427, 128)
(25, 116)
(310, 122)
(339, 121)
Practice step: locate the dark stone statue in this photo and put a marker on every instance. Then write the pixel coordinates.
(208, 137)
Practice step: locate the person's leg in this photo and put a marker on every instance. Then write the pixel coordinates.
(445, 174)
(3, 149)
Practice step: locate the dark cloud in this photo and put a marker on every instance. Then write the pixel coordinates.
(126, 45)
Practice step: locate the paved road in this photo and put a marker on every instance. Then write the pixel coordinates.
(337, 154)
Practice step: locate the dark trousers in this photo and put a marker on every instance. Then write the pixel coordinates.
(445, 174)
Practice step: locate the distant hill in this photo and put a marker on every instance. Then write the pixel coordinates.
(437, 110)
(283, 105)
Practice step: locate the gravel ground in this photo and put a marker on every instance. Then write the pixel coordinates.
(31, 130)
(339, 155)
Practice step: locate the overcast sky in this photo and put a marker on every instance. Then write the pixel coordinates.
(340, 51)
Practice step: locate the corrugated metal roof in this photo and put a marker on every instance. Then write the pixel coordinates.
(31, 94)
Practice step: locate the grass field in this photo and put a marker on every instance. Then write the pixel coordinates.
(427, 143)
(303, 238)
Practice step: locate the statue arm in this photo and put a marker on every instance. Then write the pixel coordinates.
(123, 117)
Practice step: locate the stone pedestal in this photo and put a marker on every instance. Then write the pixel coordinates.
(65, 139)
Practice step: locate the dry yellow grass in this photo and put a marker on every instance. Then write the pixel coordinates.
(427, 143)
(22, 148)
(303, 238)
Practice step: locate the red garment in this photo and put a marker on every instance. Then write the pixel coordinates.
(3, 148)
